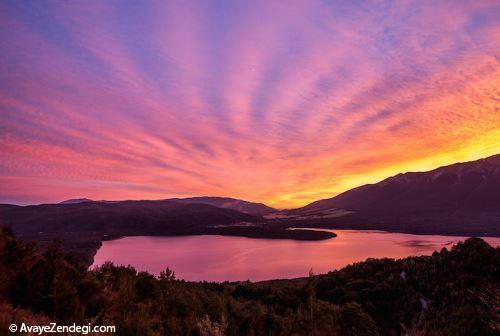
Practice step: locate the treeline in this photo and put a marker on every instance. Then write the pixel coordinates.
(453, 292)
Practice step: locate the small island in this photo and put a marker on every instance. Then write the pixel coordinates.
(271, 233)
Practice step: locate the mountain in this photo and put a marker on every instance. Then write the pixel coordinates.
(120, 218)
(76, 200)
(252, 208)
(257, 209)
(462, 198)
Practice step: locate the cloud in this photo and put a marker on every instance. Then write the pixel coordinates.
(282, 103)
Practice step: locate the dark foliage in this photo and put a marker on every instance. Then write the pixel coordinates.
(450, 293)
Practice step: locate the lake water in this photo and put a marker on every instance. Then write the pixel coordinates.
(220, 258)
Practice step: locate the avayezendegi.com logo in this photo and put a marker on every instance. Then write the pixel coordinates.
(54, 328)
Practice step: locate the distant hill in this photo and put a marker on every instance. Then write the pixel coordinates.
(252, 208)
(76, 200)
(119, 218)
(462, 198)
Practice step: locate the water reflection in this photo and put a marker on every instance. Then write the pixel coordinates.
(220, 258)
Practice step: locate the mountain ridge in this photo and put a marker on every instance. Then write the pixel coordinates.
(252, 208)
(490, 165)
(462, 198)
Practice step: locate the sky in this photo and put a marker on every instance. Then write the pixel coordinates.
(281, 102)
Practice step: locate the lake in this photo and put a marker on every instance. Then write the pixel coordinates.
(220, 258)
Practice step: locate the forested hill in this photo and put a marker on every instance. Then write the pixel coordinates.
(453, 292)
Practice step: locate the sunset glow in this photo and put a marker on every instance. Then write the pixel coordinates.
(280, 102)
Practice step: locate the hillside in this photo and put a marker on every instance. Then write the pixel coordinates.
(119, 218)
(76, 201)
(462, 198)
(251, 208)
